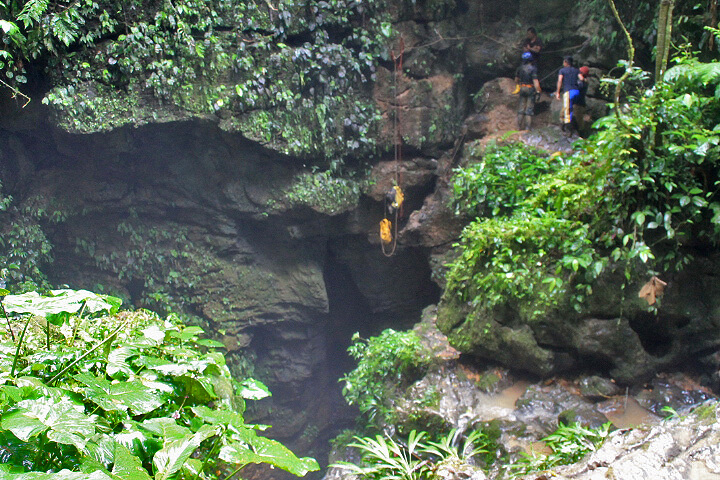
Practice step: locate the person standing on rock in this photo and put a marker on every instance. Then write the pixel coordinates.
(569, 84)
(526, 79)
(580, 104)
(532, 44)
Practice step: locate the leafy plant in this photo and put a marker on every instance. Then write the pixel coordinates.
(497, 181)
(325, 192)
(293, 75)
(389, 459)
(632, 197)
(122, 395)
(414, 458)
(385, 364)
(24, 247)
(530, 243)
(569, 444)
(458, 447)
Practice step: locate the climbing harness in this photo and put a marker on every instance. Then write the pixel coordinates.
(399, 197)
(395, 197)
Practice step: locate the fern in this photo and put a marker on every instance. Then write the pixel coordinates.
(705, 73)
(65, 27)
(32, 12)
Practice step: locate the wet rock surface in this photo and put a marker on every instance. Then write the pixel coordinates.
(522, 411)
(679, 449)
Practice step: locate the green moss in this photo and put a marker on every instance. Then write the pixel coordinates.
(707, 411)
(324, 192)
(92, 107)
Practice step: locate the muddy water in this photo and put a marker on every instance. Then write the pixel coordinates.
(507, 398)
(625, 412)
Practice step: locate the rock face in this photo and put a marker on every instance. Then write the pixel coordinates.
(186, 214)
(615, 334)
(520, 411)
(680, 449)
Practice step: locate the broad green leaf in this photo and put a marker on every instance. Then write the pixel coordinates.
(101, 448)
(63, 420)
(22, 426)
(175, 453)
(117, 361)
(166, 428)
(199, 390)
(121, 396)
(127, 466)
(8, 27)
(187, 333)
(219, 417)
(6, 474)
(265, 450)
(61, 301)
(252, 389)
(155, 333)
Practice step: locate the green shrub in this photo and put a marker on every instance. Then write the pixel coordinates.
(24, 247)
(386, 364)
(531, 243)
(497, 182)
(632, 197)
(86, 390)
(325, 192)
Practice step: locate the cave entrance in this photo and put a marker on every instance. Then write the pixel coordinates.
(654, 333)
(349, 312)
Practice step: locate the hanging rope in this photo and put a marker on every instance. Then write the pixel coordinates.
(388, 228)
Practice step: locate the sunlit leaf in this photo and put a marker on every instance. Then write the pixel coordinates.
(264, 450)
(120, 396)
(252, 389)
(175, 453)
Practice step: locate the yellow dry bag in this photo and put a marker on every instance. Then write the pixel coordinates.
(385, 233)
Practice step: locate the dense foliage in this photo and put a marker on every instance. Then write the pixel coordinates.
(386, 364)
(640, 18)
(531, 238)
(291, 73)
(24, 247)
(90, 392)
(639, 195)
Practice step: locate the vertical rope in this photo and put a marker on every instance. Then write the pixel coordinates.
(397, 140)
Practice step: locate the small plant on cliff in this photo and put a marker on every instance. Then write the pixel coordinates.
(414, 458)
(569, 444)
(386, 363)
(325, 192)
(91, 392)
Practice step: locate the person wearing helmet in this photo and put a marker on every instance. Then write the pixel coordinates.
(579, 107)
(526, 79)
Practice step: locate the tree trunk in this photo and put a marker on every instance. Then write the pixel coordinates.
(663, 40)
